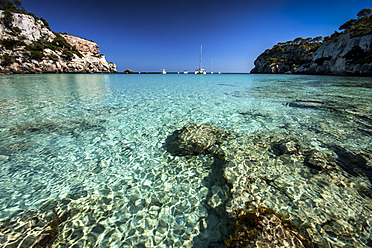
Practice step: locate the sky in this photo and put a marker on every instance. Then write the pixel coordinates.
(149, 35)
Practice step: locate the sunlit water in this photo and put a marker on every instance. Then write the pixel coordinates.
(94, 145)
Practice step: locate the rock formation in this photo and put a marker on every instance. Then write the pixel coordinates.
(82, 45)
(28, 45)
(286, 57)
(194, 139)
(345, 53)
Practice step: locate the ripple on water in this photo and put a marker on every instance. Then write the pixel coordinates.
(95, 148)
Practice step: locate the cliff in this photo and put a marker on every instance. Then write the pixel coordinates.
(345, 53)
(286, 57)
(27, 45)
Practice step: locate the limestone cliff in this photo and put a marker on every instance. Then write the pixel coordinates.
(82, 45)
(345, 53)
(27, 45)
(286, 57)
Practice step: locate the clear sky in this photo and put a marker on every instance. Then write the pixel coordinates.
(148, 35)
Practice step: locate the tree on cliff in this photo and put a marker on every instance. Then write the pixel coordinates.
(361, 26)
(14, 6)
(364, 13)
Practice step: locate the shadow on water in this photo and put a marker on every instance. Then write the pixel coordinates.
(354, 164)
(217, 215)
(216, 227)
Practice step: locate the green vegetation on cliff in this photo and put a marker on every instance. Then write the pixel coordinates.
(15, 6)
(356, 27)
(28, 45)
(35, 50)
(287, 57)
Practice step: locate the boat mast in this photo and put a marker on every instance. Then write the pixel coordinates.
(200, 62)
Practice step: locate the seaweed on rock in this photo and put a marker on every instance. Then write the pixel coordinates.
(32, 229)
(263, 227)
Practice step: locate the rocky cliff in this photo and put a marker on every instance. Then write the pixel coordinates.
(286, 57)
(27, 45)
(345, 53)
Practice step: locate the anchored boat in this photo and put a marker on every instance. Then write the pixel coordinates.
(200, 70)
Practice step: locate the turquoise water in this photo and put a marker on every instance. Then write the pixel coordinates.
(93, 146)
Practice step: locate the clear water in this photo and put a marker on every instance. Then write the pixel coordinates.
(93, 145)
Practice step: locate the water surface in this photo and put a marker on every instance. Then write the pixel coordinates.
(94, 146)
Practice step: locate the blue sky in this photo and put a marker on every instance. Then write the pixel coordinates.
(145, 35)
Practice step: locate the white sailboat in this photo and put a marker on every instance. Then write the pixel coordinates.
(212, 67)
(200, 70)
(163, 71)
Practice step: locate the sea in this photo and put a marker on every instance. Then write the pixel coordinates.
(84, 159)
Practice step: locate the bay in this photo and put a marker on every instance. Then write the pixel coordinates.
(92, 148)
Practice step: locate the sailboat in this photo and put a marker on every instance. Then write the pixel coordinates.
(200, 70)
(212, 67)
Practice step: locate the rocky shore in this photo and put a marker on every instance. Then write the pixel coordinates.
(345, 53)
(28, 45)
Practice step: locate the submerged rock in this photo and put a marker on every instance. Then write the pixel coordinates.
(285, 147)
(320, 161)
(32, 229)
(356, 164)
(263, 227)
(194, 139)
(311, 104)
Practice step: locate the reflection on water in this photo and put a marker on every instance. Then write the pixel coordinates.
(83, 161)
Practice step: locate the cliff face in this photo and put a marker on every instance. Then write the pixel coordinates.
(31, 29)
(282, 59)
(345, 55)
(82, 45)
(27, 45)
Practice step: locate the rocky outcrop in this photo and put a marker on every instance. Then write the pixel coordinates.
(30, 29)
(283, 58)
(82, 45)
(27, 45)
(194, 139)
(345, 55)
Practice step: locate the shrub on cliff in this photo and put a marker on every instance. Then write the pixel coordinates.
(46, 24)
(36, 50)
(67, 54)
(61, 42)
(15, 6)
(9, 44)
(292, 54)
(7, 19)
(6, 59)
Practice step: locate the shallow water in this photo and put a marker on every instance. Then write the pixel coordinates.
(94, 146)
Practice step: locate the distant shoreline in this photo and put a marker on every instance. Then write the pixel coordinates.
(175, 73)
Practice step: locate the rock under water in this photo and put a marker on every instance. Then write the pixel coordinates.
(194, 139)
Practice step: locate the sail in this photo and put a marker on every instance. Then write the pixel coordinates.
(201, 51)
